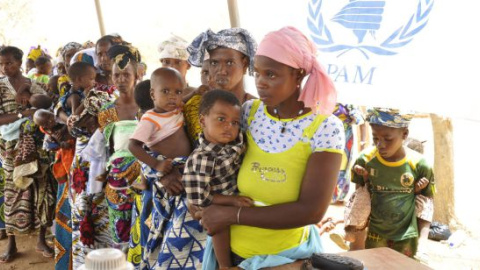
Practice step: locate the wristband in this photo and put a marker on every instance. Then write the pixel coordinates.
(238, 215)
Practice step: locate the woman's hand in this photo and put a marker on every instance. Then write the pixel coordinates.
(216, 218)
(242, 201)
(193, 209)
(164, 166)
(172, 182)
(28, 113)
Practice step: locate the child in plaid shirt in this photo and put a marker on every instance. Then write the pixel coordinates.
(211, 170)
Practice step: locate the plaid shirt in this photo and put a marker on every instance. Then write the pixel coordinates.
(212, 168)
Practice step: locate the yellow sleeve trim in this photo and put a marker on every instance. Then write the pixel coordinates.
(413, 158)
(390, 163)
(369, 153)
(330, 150)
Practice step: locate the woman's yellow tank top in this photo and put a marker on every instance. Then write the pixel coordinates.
(269, 179)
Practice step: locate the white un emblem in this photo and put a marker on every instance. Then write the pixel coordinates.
(365, 21)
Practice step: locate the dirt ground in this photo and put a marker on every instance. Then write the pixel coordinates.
(27, 258)
(466, 256)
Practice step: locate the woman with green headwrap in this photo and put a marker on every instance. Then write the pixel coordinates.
(118, 121)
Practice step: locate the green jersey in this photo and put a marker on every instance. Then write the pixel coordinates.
(392, 188)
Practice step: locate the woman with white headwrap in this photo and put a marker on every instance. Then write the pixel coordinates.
(173, 53)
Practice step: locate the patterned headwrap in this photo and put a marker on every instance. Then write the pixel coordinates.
(36, 52)
(389, 117)
(94, 102)
(86, 55)
(69, 46)
(233, 38)
(291, 47)
(175, 47)
(88, 44)
(123, 54)
(63, 84)
(117, 39)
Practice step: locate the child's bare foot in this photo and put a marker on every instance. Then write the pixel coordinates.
(421, 184)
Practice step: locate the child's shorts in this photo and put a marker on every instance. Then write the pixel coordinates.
(424, 207)
(407, 247)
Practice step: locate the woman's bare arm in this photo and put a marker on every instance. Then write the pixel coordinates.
(12, 117)
(315, 196)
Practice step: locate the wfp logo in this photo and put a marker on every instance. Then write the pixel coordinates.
(364, 20)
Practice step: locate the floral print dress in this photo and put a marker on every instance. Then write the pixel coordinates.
(90, 221)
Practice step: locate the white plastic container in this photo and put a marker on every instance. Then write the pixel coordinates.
(456, 239)
(106, 259)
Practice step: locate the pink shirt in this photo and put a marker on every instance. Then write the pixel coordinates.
(154, 127)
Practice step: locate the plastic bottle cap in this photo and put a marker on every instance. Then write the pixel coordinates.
(106, 259)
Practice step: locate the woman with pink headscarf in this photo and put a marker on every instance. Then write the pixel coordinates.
(295, 147)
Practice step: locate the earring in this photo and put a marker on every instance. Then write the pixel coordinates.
(298, 86)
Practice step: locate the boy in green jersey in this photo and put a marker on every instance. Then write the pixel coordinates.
(393, 171)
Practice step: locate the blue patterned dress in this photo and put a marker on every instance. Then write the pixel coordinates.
(175, 239)
(350, 115)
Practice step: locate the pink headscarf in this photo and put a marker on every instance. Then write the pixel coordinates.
(290, 47)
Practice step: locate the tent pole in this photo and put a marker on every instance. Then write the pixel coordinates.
(100, 17)
(233, 12)
(444, 203)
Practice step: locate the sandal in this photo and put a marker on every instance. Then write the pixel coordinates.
(339, 239)
(6, 258)
(48, 254)
(45, 252)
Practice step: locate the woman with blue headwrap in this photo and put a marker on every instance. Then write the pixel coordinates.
(231, 53)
